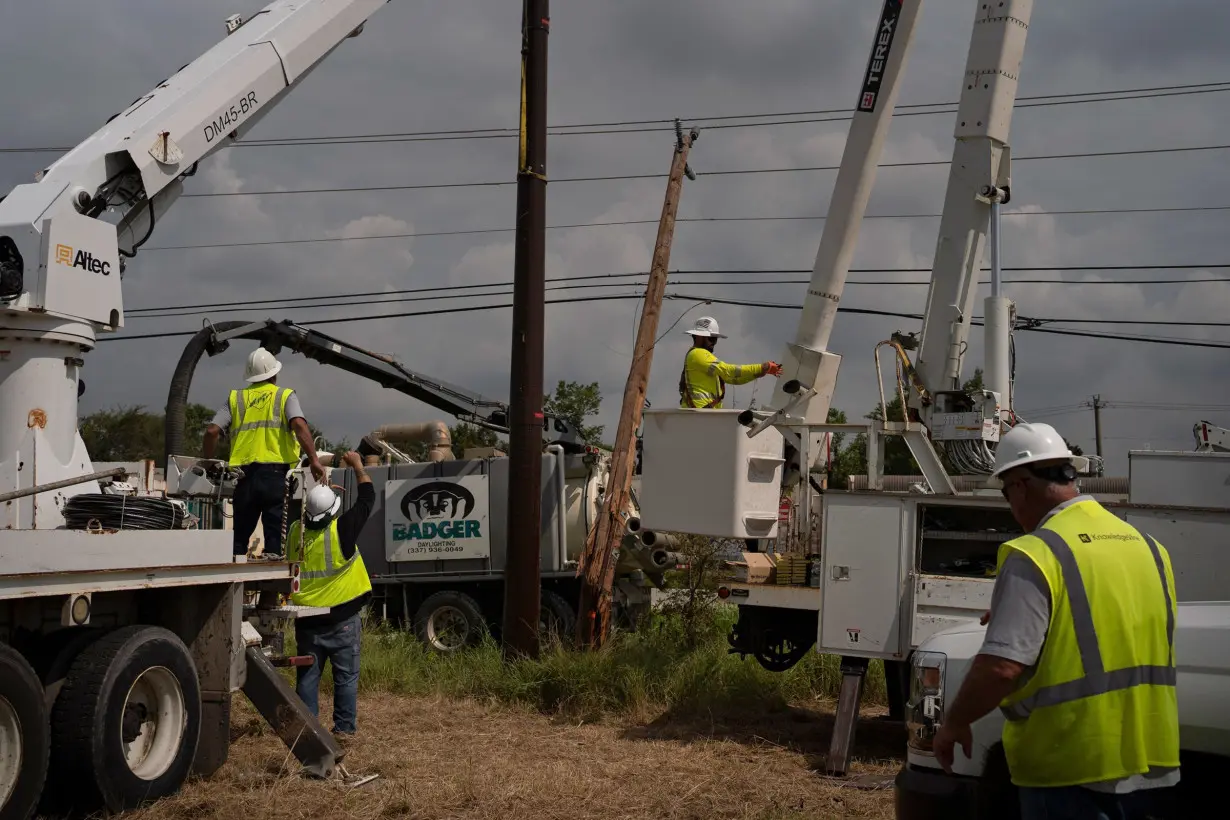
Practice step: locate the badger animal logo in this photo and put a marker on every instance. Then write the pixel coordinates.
(437, 500)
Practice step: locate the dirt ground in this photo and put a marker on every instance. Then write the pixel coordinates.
(449, 759)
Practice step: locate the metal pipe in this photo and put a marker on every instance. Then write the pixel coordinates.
(996, 271)
(433, 433)
(561, 480)
(114, 472)
(997, 322)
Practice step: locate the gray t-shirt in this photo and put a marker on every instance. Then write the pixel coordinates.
(1020, 616)
(294, 410)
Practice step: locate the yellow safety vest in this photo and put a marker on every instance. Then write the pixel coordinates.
(703, 381)
(326, 578)
(1101, 703)
(260, 431)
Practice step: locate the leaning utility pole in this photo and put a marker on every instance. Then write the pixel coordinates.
(521, 571)
(598, 561)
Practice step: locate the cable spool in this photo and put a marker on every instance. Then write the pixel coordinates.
(100, 511)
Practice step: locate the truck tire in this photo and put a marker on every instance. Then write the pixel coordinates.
(127, 720)
(24, 736)
(449, 621)
(558, 621)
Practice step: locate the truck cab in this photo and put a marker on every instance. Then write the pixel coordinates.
(980, 785)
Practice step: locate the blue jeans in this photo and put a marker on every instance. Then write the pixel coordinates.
(339, 644)
(1079, 803)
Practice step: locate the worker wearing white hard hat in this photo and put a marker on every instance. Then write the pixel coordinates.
(702, 384)
(267, 430)
(1079, 649)
(332, 575)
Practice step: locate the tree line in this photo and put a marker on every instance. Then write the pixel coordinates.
(133, 433)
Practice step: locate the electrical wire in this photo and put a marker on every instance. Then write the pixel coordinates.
(349, 298)
(121, 512)
(707, 122)
(628, 222)
(660, 176)
(707, 300)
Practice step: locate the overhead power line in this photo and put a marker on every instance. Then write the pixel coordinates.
(658, 175)
(420, 294)
(292, 301)
(703, 300)
(627, 222)
(713, 122)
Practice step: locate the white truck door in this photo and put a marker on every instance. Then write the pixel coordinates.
(865, 564)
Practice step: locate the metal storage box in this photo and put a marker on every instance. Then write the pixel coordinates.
(701, 474)
(1179, 479)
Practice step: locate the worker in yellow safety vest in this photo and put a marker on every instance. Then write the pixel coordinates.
(703, 381)
(1079, 648)
(266, 427)
(332, 576)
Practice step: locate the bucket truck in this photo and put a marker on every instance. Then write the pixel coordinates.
(871, 574)
(125, 623)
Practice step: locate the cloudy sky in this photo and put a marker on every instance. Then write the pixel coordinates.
(444, 66)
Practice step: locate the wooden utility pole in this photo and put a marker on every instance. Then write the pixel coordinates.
(1097, 424)
(598, 562)
(522, 567)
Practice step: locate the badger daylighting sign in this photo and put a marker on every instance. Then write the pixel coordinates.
(432, 519)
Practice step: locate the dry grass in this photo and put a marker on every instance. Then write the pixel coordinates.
(444, 758)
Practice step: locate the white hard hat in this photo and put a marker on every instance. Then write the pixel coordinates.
(322, 504)
(706, 326)
(1027, 443)
(261, 366)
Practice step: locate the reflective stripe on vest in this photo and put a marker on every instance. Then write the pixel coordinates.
(325, 580)
(1096, 680)
(266, 437)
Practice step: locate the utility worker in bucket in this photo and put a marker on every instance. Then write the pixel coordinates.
(703, 381)
(332, 575)
(1079, 649)
(267, 429)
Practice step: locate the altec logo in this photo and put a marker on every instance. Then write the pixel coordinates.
(65, 255)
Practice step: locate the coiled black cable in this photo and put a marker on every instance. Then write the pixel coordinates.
(121, 512)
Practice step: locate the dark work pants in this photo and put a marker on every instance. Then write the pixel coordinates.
(1077, 803)
(259, 494)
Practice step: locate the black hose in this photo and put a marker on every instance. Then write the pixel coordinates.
(181, 381)
(121, 512)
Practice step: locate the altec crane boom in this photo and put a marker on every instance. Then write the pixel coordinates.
(165, 596)
(63, 239)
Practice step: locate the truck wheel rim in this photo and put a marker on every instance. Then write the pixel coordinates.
(447, 628)
(153, 722)
(10, 750)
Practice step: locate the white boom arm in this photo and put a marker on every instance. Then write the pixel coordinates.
(979, 179)
(63, 236)
(979, 176)
(808, 360)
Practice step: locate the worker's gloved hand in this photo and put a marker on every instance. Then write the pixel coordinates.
(772, 369)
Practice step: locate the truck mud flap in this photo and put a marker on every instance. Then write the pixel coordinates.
(311, 744)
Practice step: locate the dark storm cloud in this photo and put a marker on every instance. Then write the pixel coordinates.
(427, 67)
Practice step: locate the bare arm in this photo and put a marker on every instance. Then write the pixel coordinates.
(209, 445)
(300, 428)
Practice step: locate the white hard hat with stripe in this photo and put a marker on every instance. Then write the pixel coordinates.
(707, 327)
